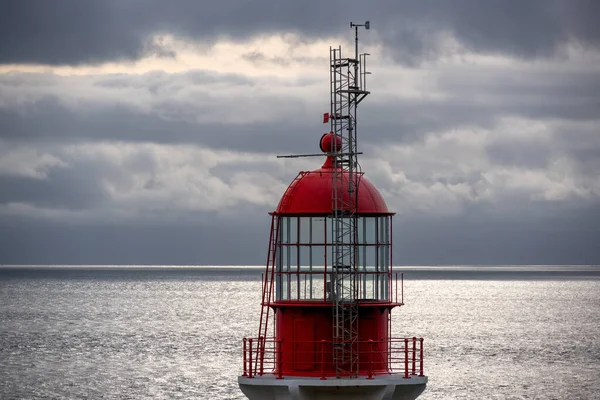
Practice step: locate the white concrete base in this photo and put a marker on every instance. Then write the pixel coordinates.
(382, 387)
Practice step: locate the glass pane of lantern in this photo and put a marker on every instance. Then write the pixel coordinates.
(368, 287)
(370, 232)
(294, 283)
(360, 229)
(384, 283)
(293, 257)
(370, 258)
(318, 257)
(283, 228)
(329, 256)
(305, 230)
(305, 260)
(278, 286)
(318, 230)
(384, 258)
(317, 287)
(292, 230)
(286, 257)
(384, 230)
(282, 287)
(279, 257)
(329, 230)
(360, 258)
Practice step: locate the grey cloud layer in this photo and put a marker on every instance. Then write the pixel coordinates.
(181, 109)
(188, 107)
(496, 164)
(76, 32)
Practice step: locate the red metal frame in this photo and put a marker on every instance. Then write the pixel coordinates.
(406, 358)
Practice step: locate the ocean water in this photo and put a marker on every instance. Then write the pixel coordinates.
(165, 333)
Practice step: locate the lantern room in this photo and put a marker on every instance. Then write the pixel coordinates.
(305, 237)
(303, 282)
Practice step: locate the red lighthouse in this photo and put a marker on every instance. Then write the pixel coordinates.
(329, 288)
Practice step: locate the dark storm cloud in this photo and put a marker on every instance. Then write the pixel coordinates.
(68, 32)
(75, 32)
(536, 94)
(77, 185)
(49, 121)
(62, 189)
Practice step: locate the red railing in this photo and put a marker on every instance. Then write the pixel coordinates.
(266, 356)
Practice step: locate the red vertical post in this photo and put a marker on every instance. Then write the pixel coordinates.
(421, 357)
(390, 243)
(244, 357)
(280, 359)
(396, 287)
(370, 359)
(298, 285)
(261, 340)
(376, 275)
(389, 340)
(414, 355)
(325, 260)
(323, 359)
(406, 359)
(250, 358)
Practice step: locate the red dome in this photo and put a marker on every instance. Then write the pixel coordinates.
(311, 193)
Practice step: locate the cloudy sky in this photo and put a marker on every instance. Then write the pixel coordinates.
(146, 131)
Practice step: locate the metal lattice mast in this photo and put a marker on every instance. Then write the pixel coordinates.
(348, 89)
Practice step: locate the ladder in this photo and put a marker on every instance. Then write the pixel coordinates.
(267, 289)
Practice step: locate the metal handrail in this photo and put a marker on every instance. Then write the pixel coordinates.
(405, 356)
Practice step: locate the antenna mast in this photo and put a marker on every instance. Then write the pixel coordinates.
(348, 89)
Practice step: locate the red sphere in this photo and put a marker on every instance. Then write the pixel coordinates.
(330, 143)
